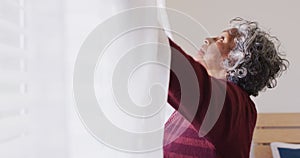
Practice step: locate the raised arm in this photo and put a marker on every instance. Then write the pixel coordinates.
(189, 86)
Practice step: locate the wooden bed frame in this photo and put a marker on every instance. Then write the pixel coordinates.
(275, 127)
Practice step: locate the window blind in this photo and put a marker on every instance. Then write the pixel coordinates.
(13, 80)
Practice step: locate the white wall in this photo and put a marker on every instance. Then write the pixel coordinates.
(280, 17)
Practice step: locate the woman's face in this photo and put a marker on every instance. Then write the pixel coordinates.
(216, 49)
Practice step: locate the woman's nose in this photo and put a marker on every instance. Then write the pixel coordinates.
(208, 41)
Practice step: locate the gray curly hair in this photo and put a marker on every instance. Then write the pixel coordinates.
(256, 61)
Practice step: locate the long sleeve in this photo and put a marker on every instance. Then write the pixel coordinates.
(189, 86)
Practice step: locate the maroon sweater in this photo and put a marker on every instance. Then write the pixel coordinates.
(224, 114)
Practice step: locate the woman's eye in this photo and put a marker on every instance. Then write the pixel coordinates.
(222, 38)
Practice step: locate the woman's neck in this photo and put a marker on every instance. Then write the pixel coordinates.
(219, 74)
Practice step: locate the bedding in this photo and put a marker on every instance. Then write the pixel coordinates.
(285, 150)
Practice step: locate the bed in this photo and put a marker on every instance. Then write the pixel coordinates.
(275, 127)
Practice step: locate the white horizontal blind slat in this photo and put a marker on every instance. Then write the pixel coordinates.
(10, 37)
(10, 63)
(17, 143)
(10, 11)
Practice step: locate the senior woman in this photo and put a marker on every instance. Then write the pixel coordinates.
(229, 68)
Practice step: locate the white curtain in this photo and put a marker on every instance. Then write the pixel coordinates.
(145, 84)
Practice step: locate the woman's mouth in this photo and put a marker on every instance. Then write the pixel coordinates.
(201, 51)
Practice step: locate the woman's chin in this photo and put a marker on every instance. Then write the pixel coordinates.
(198, 57)
(200, 60)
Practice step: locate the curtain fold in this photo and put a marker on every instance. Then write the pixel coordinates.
(145, 50)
